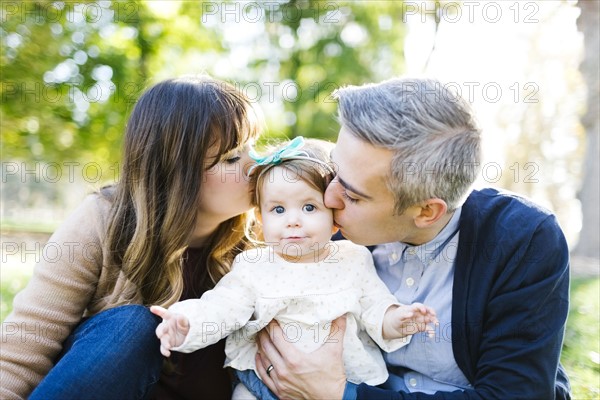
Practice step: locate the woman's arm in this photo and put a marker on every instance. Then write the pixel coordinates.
(54, 300)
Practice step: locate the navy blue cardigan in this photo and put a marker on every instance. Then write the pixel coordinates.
(509, 305)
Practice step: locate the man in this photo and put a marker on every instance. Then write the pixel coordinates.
(493, 265)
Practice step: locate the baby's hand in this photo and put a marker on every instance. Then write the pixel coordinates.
(172, 330)
(403, 321)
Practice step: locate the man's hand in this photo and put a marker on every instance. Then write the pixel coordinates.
(298, 375)
(172, 331)
(402, 321)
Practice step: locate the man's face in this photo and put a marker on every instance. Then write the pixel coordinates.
(363, 206)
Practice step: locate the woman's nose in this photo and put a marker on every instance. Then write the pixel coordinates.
(247, 163)
(333, 197)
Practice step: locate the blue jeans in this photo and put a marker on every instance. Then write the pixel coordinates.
(112, 355)
(255, 385)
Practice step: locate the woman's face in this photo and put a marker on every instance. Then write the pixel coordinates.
(225, 186)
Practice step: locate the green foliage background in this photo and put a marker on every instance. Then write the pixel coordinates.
(71, 71)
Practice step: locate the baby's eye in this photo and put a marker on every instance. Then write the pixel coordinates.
(309, 208)
(278, 209)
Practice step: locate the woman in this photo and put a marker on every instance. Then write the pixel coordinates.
(167, 231)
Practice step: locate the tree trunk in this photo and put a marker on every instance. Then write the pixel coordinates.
(589, 195)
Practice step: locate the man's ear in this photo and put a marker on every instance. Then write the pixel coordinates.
(431, 211)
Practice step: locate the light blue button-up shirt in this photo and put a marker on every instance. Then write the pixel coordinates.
(424, 274)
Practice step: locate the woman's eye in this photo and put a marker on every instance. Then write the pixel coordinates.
(350, 199)
(279, 209)
(309, 208)
(233, 160)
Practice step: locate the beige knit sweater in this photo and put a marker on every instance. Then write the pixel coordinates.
(71, 281)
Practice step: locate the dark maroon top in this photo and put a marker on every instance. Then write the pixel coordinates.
(197, 375)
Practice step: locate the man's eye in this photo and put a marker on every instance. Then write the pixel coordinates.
(350, 199)
(278, 209)
(309, 208)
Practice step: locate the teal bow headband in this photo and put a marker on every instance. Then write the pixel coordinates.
(288, 152)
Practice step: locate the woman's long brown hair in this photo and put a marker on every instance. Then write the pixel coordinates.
(154, 204)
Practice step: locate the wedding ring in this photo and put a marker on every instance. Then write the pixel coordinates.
(269, 369)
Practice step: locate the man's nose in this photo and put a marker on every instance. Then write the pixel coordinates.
(333, 197)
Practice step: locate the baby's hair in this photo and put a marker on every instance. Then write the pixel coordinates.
(317, 173)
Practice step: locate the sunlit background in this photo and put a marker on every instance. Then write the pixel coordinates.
(71, 72)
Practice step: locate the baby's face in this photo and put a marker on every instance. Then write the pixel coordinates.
(295, 221)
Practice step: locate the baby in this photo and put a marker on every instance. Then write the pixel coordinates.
(298, 277)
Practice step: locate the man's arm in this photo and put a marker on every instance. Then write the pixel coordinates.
(521, 334)
(297, 375)
(521, 337)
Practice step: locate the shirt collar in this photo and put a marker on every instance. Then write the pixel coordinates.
(427, 251)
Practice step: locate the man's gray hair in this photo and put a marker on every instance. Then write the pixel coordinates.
(432, 131)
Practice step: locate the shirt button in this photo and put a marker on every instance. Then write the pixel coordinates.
(394, 256)
(412, 382)
(412, 251)
(410, 282)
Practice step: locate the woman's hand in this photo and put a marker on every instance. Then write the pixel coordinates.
(172, 331)
(293, 374)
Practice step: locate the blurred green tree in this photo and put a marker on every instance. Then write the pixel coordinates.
(323, 45)
(72, 70)
(59, 68)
